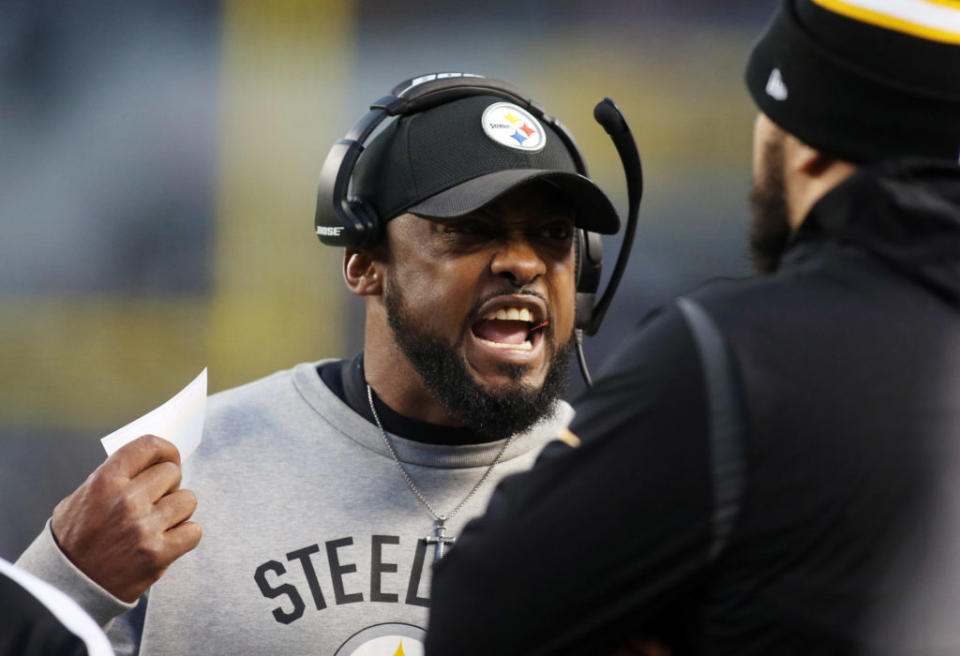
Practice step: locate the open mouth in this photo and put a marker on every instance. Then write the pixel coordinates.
(510, 328)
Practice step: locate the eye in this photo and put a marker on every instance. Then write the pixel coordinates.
(467, 227)
(556, 230)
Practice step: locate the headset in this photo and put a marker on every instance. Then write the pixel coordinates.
(345, 220)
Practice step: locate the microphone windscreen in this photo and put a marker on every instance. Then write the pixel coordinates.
(607, 115)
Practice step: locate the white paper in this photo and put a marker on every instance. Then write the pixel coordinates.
(179, 420)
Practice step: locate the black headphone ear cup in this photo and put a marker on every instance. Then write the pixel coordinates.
(583, 307)
(578, 246)
(365, 227)
(589, 260)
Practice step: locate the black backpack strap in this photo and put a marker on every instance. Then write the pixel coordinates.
(726, 421)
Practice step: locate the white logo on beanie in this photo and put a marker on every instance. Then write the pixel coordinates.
(514, 127)
(776, 87)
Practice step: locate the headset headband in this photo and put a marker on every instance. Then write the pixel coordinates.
(342, 220)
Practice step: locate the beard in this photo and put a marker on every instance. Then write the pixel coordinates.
(770, 229)
(496, 413)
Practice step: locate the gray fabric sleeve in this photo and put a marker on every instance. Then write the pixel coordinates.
(126, 632)
(44, 559)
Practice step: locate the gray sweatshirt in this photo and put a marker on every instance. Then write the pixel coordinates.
(312, 541)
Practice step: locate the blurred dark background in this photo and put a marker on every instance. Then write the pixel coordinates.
(158, 164)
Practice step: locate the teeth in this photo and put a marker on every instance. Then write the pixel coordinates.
(511, 314)
(525, 346)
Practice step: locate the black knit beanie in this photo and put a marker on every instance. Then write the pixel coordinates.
(863, 79)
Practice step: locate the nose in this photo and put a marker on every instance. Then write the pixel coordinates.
(518, 261)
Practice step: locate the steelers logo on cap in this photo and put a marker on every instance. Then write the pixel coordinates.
(514, 127)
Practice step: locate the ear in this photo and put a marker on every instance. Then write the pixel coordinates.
(362, 273)
(806, 160)
(808, 175)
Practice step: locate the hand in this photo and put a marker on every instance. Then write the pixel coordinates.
(128, 521)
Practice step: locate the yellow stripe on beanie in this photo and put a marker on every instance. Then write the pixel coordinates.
(955, 4)
(935, 20)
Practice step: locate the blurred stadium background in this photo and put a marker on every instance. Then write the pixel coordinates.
(158, 164)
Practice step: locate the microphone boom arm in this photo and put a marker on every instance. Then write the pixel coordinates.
(611, 118)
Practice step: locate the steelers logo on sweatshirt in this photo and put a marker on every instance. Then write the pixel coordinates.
(385, 640)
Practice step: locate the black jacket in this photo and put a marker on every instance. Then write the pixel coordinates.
(846, 533)
(36, 619)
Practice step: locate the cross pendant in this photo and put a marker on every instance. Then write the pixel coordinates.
(439, 539)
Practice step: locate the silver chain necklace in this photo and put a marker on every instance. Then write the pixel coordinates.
(439, 539)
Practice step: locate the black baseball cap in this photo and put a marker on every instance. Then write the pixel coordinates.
(455, 158)
(863, 80)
